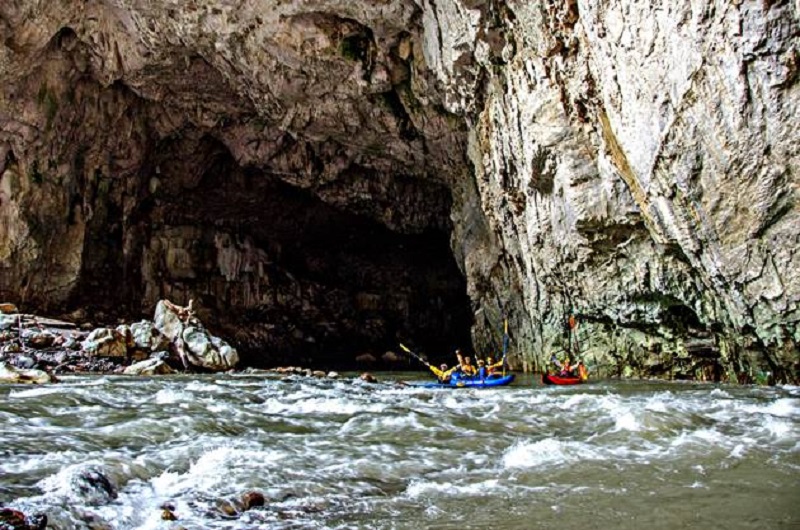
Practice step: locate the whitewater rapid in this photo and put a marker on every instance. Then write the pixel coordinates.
(349, 454)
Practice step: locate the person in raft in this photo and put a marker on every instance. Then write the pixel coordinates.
(483, 373)
(468, 369)
(583, 373)
(565, 370)
(442, 373)
(491, 367)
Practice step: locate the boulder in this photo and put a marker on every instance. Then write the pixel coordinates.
(8, 308)
(149, 367)
(167, 321)
(10, 374)
(8, 322)
(195, 345)
(207, 351)
(39, 339)
(368, 378)
(106, 342)
(147, 337)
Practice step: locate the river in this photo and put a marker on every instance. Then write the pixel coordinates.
(349, 454)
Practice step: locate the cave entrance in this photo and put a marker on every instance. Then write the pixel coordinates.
(291, 278)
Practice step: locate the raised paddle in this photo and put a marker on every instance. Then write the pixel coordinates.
(505, 344)
(417, 357)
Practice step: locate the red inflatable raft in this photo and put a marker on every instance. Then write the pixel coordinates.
(549, 379)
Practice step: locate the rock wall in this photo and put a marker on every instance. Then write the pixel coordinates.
(637, 164)
(300, 166)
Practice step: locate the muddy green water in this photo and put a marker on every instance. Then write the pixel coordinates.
(347, 454)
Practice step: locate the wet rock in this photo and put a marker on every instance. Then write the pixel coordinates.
(168, 515)
(10, 374)
(12, 519)
(8, 308)
(106, 342)
(92, 486)
(252, 499)
(318, 373)
(71, 343)
(124, 332)
(226, 508)
(8, 322)
(149, 367)
(147, 337)
(24, 362)
(368, 377)
(193, 343)
(207, 351)
(333, 375)
(12, 347)
(39, 339)
(15, 520)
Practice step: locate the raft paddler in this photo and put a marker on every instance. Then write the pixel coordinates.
(483, 373)
(442, 373)
(491, 367)
(583, 373)
(467, 368)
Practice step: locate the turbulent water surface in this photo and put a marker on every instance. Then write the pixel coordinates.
(348, 454)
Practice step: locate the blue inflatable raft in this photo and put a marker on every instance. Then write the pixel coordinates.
(457, 381)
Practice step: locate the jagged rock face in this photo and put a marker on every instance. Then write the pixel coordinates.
(298, 167)
(638, 163)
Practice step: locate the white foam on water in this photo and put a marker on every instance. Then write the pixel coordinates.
(426, 489)
(699, 437)
(627, 422)
(779, 427)
(545, 452)
(212, 470)
(168, 396)
(383, 423)
(575, 400)
(738, 452)
(320, 406)
(68, 484)
(201, 386)
(719, 393)
(782, 407)
(656, 406)
(35, 392)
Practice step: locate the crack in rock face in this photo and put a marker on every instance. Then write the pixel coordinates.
(328, 179)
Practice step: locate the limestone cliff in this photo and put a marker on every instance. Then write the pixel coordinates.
(297, 168)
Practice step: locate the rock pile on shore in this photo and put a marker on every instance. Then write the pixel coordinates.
(34, 349)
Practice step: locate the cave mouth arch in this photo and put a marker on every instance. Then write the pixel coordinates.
(287, 277)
